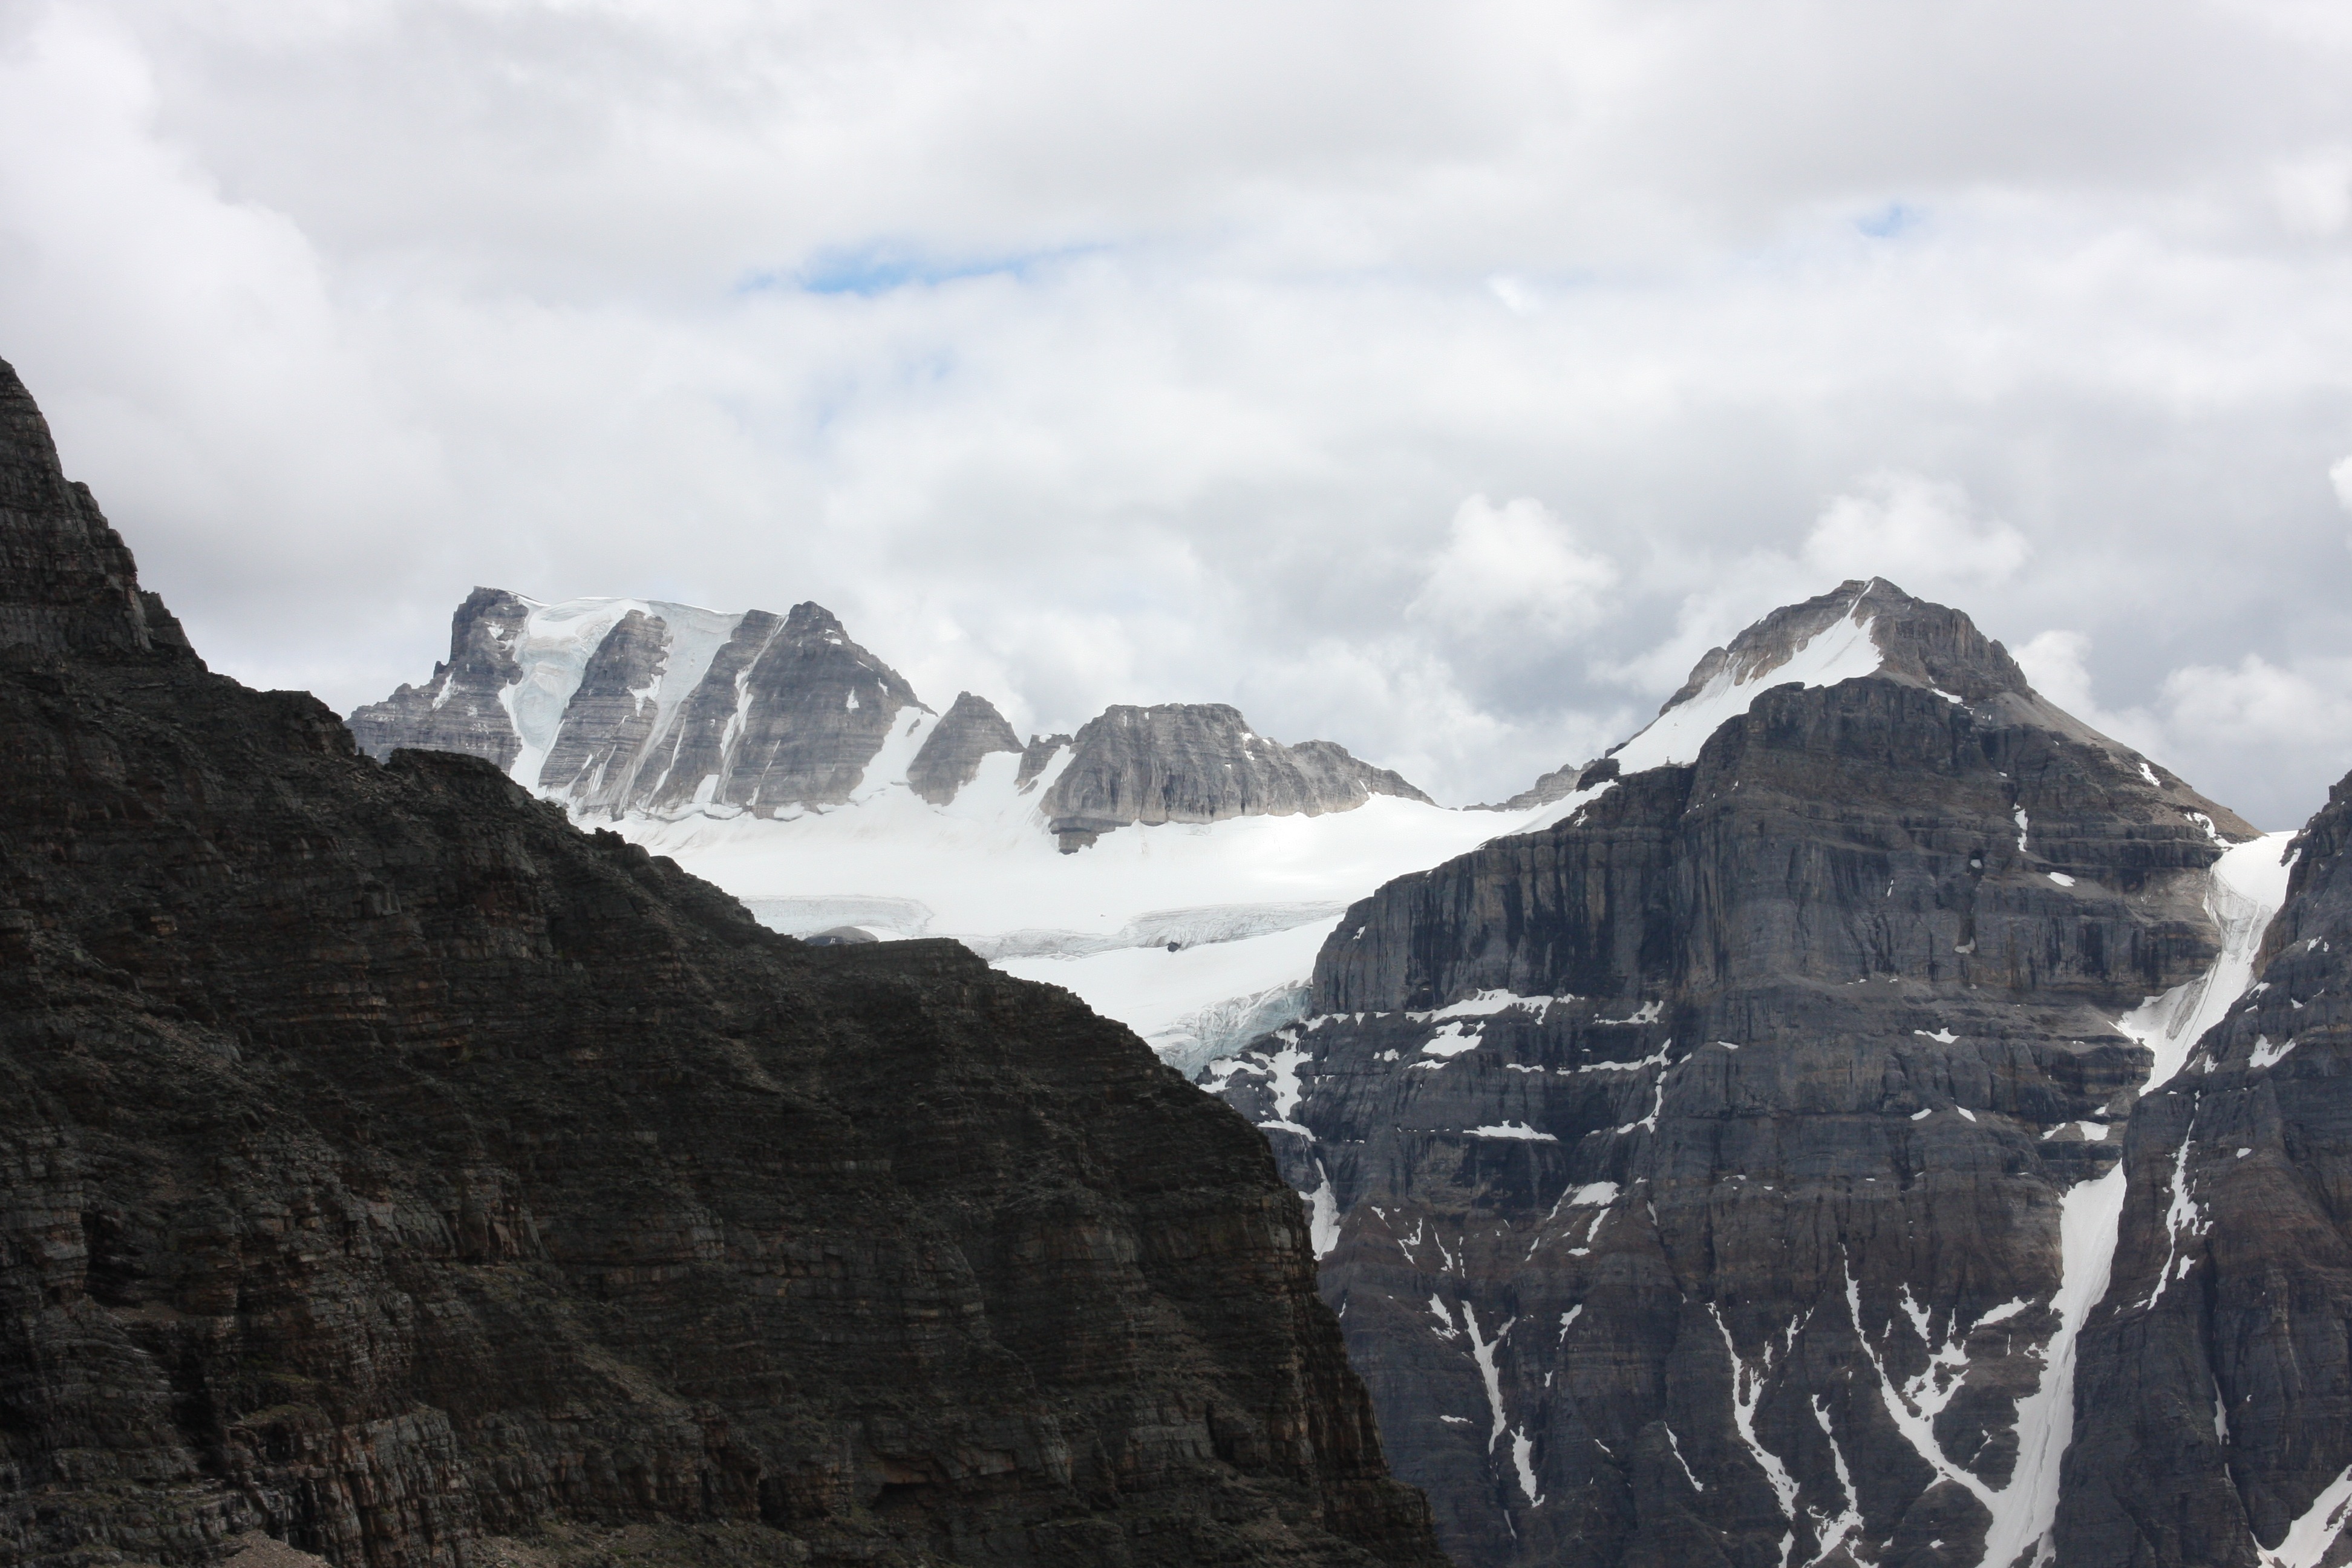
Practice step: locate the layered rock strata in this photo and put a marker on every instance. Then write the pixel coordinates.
(394, 1170)
(1198, 762)
(1702, 1179)
(2214, 1420)
(460, 709)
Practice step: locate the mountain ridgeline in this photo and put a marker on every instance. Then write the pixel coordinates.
(1737, 1170)
(398, 1172)
(616, 707)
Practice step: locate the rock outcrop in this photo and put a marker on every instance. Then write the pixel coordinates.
(951, 753)
(460, 708)
(1701, 1178)
(618, 705)
(393, 1169)
(1198, 762)
(67, 583)
(1556, 785)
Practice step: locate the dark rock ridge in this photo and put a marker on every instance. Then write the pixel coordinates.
(67, 582)
(1198, 762)
(951, 753)
(2215, 1410)
(458, 709)
(395, 1170)
(667, 709)
(1688, 1174)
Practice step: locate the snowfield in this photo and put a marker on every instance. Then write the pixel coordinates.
(1189, 934)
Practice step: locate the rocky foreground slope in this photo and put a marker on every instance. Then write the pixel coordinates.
(389, 1166)
(1724, 1174)
(619, 707)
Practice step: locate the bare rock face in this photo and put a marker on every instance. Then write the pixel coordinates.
(459, 708)
(2214, 1420)
(1691, 1174)
(789, 714)
(615, 706)
(397, 1171)
(951, 753)
(1198, 762)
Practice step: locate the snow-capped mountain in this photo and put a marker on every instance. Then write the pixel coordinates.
(1725, 1168)
(1168, 863)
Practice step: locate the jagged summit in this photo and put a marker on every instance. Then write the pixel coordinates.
(637, 706)
(68, 583)
(1862, 628)
(971, 732)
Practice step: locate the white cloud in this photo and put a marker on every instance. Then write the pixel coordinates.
(1513, 571)
(1917, 532)
(1081, 352)
(2339, 478)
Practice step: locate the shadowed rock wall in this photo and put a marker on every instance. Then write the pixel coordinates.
(391, 1167)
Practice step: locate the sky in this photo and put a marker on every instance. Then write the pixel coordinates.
(1441, 380)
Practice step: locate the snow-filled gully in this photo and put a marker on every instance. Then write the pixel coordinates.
(2247, 885)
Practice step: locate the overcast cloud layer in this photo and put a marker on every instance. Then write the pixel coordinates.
(1442, 380)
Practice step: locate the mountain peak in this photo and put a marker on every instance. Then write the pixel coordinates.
(1860, 628)
(70, 585)
(1918, 643)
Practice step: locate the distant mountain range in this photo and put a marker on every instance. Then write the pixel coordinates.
(621, 706)
(1867, 1117)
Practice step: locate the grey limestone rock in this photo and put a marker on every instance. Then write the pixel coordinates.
(951, 753)
(1669, 1161)
(458, 709)
(789, 714)
(1198, 762)
(611, 722)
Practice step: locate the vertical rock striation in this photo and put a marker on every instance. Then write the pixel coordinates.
(397, 1170)
(1697, 1177)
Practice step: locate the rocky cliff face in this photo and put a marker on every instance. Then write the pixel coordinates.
(2214, 1422)
(1198, 762)
(1713, 1177)
(951, 756)
(460, 709)
(392, 1168)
